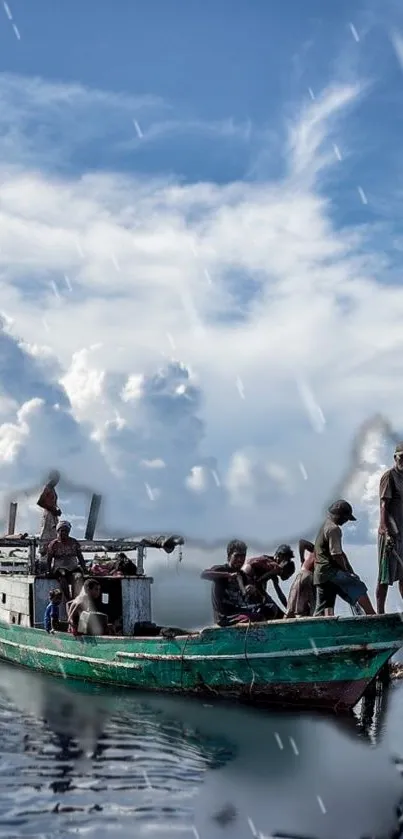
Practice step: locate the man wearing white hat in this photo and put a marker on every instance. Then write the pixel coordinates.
(65, 558)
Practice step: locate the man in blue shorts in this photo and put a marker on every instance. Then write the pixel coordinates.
(333, 575)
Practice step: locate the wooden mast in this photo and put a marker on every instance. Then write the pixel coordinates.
(92, 517)
(12, 518)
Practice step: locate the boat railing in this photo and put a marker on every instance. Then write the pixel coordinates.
(167, 543)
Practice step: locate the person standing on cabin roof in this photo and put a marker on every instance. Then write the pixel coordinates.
(301, 597)
(65, 558)
(258, 571)
(51, 512)
(333, 574)
(390, 532)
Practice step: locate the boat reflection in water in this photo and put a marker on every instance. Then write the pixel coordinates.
(371, 714)
(84, 759)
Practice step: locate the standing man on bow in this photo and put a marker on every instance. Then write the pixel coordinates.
(333, 575)
(48, 502)
(390, 532)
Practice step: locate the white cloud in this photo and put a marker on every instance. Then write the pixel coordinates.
(133, 388)
(153, 464)
(84, 384)
(253, 480)
(307, 135)
(397, 42)
(196, 481)
(292, 299)
(374, 454)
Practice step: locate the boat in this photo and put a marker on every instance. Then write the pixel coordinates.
(314, 663)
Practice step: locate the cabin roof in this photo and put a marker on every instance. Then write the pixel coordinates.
(165, 543)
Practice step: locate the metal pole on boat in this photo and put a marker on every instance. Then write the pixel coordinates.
(12, 518)
(92, 517)
(140, 560)
(32, 557)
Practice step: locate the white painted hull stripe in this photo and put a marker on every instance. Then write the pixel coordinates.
(59, 654)
(318, 651)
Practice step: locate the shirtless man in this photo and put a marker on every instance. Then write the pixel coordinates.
(49, 504)
(65, 558)
(84, 602)
(258, 571)
(390, 532)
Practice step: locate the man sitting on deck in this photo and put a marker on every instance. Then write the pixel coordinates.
(301, 597)
(65, 558)
(258, 571)
(84, 602)
(333, 574)
(226, 596)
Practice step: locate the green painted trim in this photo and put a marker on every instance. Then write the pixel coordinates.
(313, 653)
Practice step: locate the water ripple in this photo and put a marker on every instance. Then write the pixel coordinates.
(68, 766)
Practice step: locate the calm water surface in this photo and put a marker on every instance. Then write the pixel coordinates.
(79, 761)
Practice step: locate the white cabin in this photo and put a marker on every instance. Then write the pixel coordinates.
(126, 601)
(24, 590)
(23, 600)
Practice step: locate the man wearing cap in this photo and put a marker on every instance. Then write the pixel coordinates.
(65, 558)
(333, 574)
(390, 532)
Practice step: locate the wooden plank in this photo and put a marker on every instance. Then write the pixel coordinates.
(136, 602)
(87, 545)
(25, 620)
(93, 517)
(116, 545)
(12, 517)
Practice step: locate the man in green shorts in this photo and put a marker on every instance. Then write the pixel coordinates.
(390, 532)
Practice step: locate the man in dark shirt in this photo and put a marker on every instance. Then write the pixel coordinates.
(333, 574)
(390, 532)
(226, 595)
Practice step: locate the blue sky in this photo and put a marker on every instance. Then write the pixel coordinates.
(209, 62)
(211, 59)
(200, 254)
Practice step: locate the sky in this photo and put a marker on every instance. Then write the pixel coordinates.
(200, 262)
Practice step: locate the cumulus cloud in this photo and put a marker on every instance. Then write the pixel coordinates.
(373, 454)
(175, 293)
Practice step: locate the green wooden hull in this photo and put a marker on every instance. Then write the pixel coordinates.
(311, 663)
